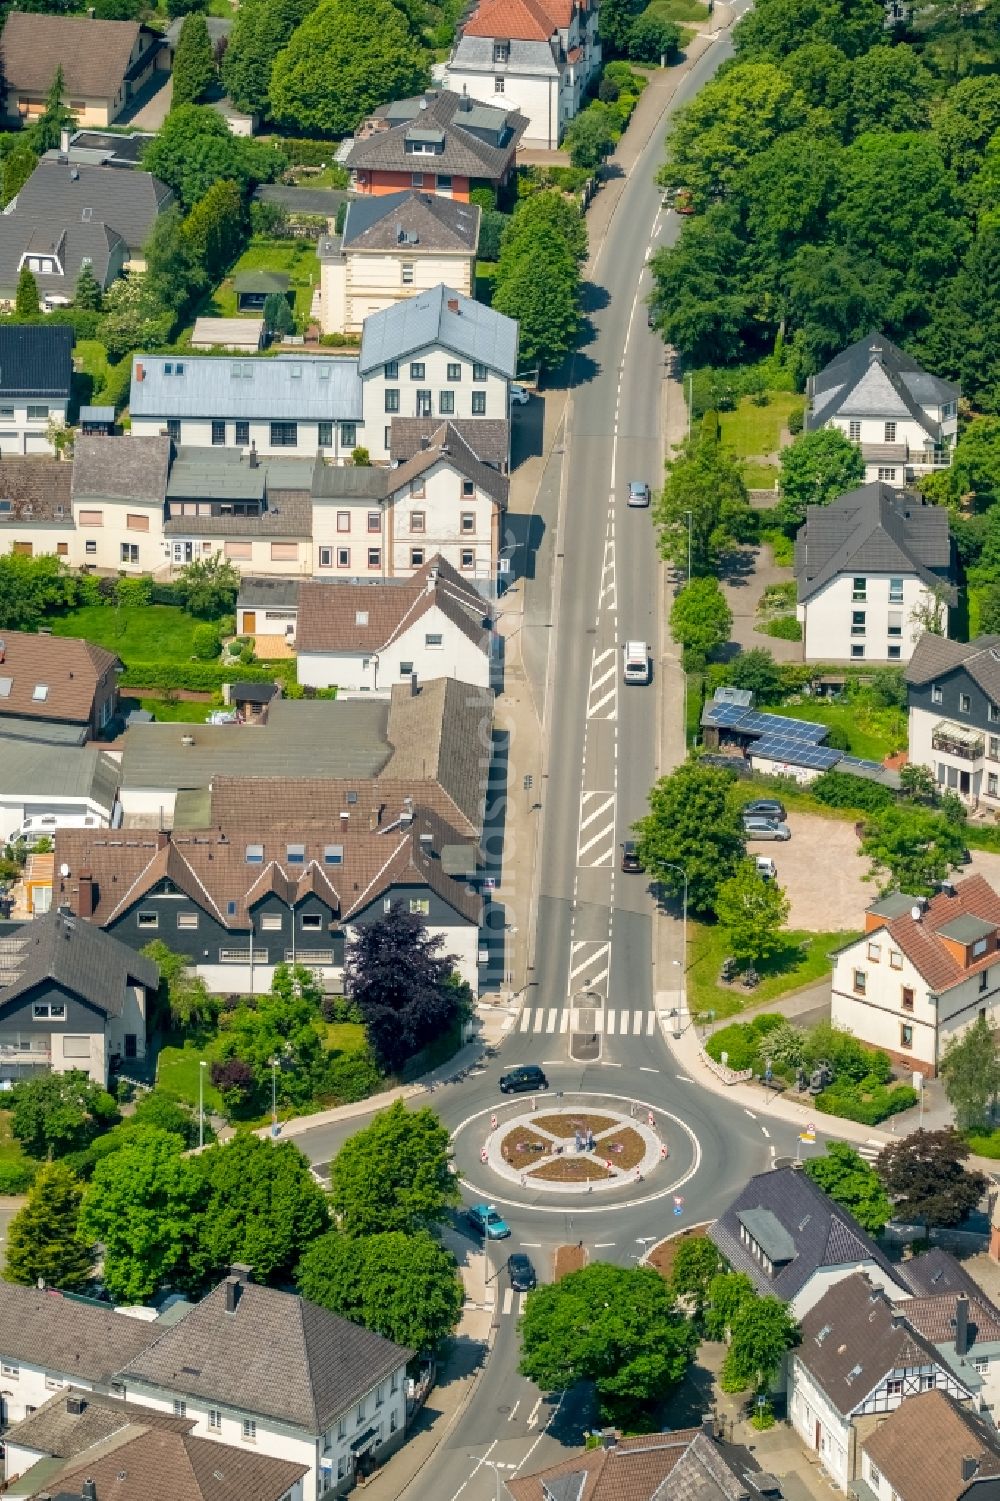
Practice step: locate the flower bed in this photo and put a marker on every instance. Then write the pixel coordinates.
(521, 1147)
(623, 1148)
(570, 1170)
(568, 1259)
(567, 1125)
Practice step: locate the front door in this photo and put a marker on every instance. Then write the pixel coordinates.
(964, 783)
(130, 1048)
(183, 553)
(249, 622)
(819, 1438)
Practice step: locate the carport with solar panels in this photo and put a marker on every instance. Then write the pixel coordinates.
(781, 741)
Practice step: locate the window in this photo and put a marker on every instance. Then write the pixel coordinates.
(928, 1383)
(964, 703)
(238, 550)
(62, 549)
(434, 641)
(468, 557)
(890, 432)
(394, 1382)
(887, 475)
(979, 948)
(270, 922)
(480, 372)
(417, 519)
(874, 949)
(90, 547)
(984, 980)
(859, 590)
(907, 998)
(128, 552)
(374, 557)
(857, 649)
(187, 920)
(149, 920)
(311, 922)
(479, 403)
(214, 1419)
(406, 669)
(136, 522)
(295, 854)
(380, 1396)
(359, 1416)
(417, 370)
(416, 557)
(895, 591)
(375, 521)
(444, 182)
(218, 433)
(250, 1430)
(991, 784)
(284, 552)
(895, 959)
(874, 1475)
(446, 403)
(420, 906)
(180, 1408)
(993, 751)
(854, 430)
(284, 435)
(860, 980)
(324, 434)
(906, 1036)
(333, 854)
(391, 370)
(857, 622)
(498, 85)
(393, 1424)
(937, 694)
(53, 1383)
(418, 487)
(326, 557)
(12, 1372)
(424, 403)
(501, 52)
(407, 273)
(348, 435)
(454, 372)
(343, 557)
(468, 522)
(38, 414)
(174, 428)
(91, 518)
(254, 854)
(242, 435)
(895, 623)
(40, 1010)
(981, 1364)
(343, 521)
(895, 652)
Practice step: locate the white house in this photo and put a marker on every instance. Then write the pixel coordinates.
(954, 715)
(904, 419)
(921, 973)
(394, 246)
(538, 55)
(45, 787)
(955, 1315)
(36, 371)
(364, 637)
(871, 568)
(857, 1360)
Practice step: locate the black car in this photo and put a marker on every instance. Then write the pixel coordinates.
(630, 856)
(765, 807)
(527, 1076)
(522, 1273)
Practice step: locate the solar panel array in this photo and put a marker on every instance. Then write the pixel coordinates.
(797, 752)
(859, 766)
(751, 722)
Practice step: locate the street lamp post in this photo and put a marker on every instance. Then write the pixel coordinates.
(684, 932)
(690, 521)
(201, 1101)
(274, 1096)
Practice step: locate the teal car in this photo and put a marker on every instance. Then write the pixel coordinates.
(486, 1222)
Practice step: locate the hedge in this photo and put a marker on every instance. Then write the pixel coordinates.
(867, 1103)
(202, 677)
(785, 627)
(16, 1177)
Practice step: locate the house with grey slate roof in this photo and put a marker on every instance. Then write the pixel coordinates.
(440, 142)
(953, 694)
(904, 419)
(870, 569)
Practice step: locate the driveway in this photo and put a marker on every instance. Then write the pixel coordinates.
(743, 586)
(822, 873)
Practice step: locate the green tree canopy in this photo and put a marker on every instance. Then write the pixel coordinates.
(19, 161)
(774, 28)
(550, 209)
(700, 620)
(144, 1204)
(195, 148)
(753, 911)
(968, 119)
(652, 37)
(87, 293)
(404, 1287)
(173, 275)
(614, 23)
(971, 1069)
(615, 1326)
(32, 589)
(402, 985)
(762, 1330)
(702, 483)
(912, 848)
(975, 471)
(133, 316)
(194, 62)
(394, 1174)
(815, 469)
(926, 1178)
(209, 586)
(58, 1113)
(184, 997)
(44, 1238)
(261, 28)
(757, 672)
(727, 1294)
(345, 58)
(26, 298)
(848, 1179)
(590, 138)
(215, 228)
(693, 823)
(696, 1262)
(538, 283)
(822, 74)
(891, 91)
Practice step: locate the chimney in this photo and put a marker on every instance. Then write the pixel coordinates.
(425, 442)
(64, 141)
(85, 899)
(708, 1424)
(609, 1438)
(88, 1490)
(75, 1405)
(961, 1326)
(234, 1288)
(414, 684)
(969, 1466)
(432, 578)
(453, 305)
(254, 460)
(140, 374)
(3, 651)
(241, 1271)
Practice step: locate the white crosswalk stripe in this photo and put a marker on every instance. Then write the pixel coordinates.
(602, 692)
(871, 1149)
(596, 839)
(512, 1302)
(543, 1021)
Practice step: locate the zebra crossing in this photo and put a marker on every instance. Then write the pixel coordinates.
(595, 841)
(870, 1150)
(512, 1303)
(602, 691)
(539, 1021)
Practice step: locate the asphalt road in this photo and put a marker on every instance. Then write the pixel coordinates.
(588, 1014)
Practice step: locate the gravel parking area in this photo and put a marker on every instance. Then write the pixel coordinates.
(822, 873)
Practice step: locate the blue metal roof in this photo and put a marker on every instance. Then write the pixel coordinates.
(415, 323)
(306, 388)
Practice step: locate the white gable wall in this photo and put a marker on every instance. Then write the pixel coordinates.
(827, 617)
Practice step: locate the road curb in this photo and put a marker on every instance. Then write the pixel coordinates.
(457, 1415)
(674, 1235)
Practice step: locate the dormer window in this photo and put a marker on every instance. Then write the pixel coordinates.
(501, 52)
(295, 854)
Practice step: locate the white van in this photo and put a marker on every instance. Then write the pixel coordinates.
(636, 662)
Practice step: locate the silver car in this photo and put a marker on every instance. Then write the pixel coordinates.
(765, 828)
(638, 493)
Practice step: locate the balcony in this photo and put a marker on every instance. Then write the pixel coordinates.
(953, 740)
(22, 1053)
(902, 453)
(309, 956)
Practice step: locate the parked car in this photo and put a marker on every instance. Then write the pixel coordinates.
(484, 1219)
(526, 1076)
(765, 807)
(638, 492)
(522, 1273)
(636, 669)
(766, 868)
(630, 857)
(519, 396)
(765, 828)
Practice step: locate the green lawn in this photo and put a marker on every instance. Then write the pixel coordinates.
(751, 430)
(872, 733)
(804, 959)
(678, 10)
(760, 476)
(141, 633)
(90, 359)
(295, 257)
(177, 1071)
(183, 711)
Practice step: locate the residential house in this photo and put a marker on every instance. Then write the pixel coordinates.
(267, 610)
(921, 973)
(363, 637)
(931, 1448)
(46, 787)
(904, 419)
(55, 253)
(71, 997)
(857, 1360)
(256, 512)
(35, 509)
(435, 355)
(489, 439)
(300, 404)
(953, 694)
(104, 64)
(118, 491)
(439, 142)
(132, 1453)
(871, 569)
(537, 56)
(241, 335)
(395, 246)
(687, 1464)
(386, 523)
(48, 1342)
(794, 1242)
(36, 372)
(56, 689)
(956, 1316)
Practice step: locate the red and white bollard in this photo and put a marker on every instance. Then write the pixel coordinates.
(651, 1119)
(483, 1155)
(663, 1150)
(493, 1122)
(638, 1175)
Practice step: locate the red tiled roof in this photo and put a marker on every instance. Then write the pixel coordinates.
(523, 20)
(922, 945)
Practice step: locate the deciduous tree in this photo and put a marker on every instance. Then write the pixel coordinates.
(727, 1293)
(58, 1113)
(700, 621)
(971, 1069)
(404, 1287)
(394, 1174)
(615, 20)
(753, 911)
(261, 29)
(848, 1179)
(926, 1180)
(184, 997)
(757, 672)
(653, 37)
(399, 979)
(208, 587)
(762, 1330)
(912, 848)
(541, 289)
(815, 469)
(696, 1262)
(194, 148)
(44, 1240)
(194, 64)
(590, 139)
(693, 823)
(31, 589)
(703, 491)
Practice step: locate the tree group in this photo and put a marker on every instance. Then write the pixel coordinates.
(538, 276)
(693, 827)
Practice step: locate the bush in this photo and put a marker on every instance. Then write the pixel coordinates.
(304, 153)
(349, 1077)
(796, 421)
(741, 1041)
(608, 90)
(785, 627)
(206, 642)
(485, 197)
(17, 1177)
(265, 218)
(838, 789)
(867, 1103)
(117, 386)
(132, 593)
(201, 677)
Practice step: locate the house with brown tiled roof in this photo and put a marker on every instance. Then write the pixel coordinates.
(857, 1360)
(438, 142)
(56, 689)
(104, 64)
(539, 55)
(956, 1316)
(365, 636)
(932, 1448)
(922, 972)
